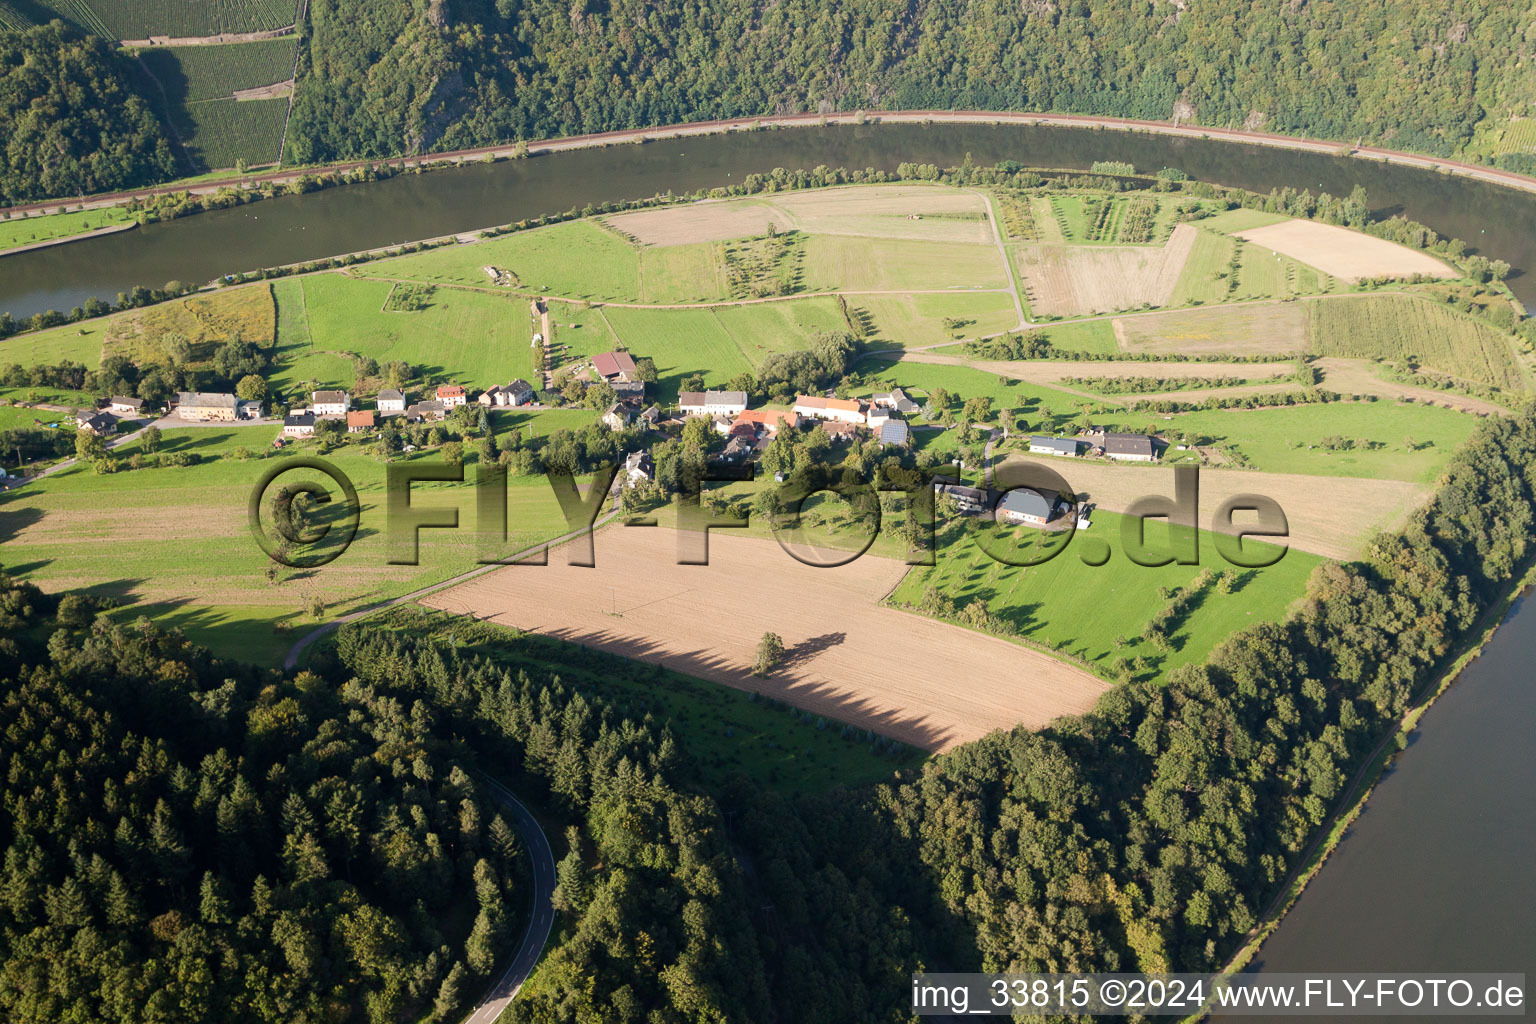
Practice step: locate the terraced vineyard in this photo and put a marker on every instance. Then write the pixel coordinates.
(191, 74)
(141, 19)
(219, 132)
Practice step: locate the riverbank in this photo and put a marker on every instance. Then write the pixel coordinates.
(49, 243)
(209, 186)
(1371, 772)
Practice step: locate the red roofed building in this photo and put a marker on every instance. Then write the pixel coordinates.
(846, 410)
(612, 366)
(768, 419)
(359, 420)
(451, 395)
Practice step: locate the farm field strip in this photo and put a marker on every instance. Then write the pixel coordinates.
(1344, 254)
(705, 621)
(1405, 329)
(1069, 280)
(1270, 328)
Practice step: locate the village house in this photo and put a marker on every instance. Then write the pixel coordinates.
(1027, 505)
(739, 448)
(1129, 447)
(651, 416)
(839, 431)
(519, 392)
(614, 366)
(895, 399)
(878, 416)
(425, 412)
(968, 499)
(359, 420)
(895, 433)
(390, 402)
(712, 403)
(451, 395)
(1053, 446)
(637, 467)
(768, 420)
(125, 406)
(98, 423)
(618, 416)
(846, 410)
(330, 403)
(299, 424)
(207, 407)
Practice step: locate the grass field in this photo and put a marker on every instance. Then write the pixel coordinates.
(27, 230)
(1290, 439)
(1241, 220)
(471, 338)
(919, 320)
(1043, 407)
(578, 259)
(1090, 336)
(1081, 609)
(80, 343)
(1276, 328)
(175, 542)
(1206, 274)
(840, 262)
(12, 417)
(681, 341)
(760, 330)
(1407, 330)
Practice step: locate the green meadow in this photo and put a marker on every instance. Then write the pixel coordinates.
(19, 231)
(1082, 610)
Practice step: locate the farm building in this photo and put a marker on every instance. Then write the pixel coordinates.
(390, 402)
(207, 407)
(631, 392)
(329, 403)
(651, 416)
(451, 395)
(1027, 505)
(359, 420)
(846, 410)
(879, 415)
(612, 366)
(637, 467)
(1129, 447)
(299, 424)
(125, 406)
(1053, 446)
(969, 499)
(895, 433)
(712, 403)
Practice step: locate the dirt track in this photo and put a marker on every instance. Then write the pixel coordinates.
(924, 682)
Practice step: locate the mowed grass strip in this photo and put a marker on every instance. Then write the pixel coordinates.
(1081, 610)
(919, 320)
(1205, 276)
(1409, 330)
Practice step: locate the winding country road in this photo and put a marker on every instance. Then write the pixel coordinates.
(505, 988)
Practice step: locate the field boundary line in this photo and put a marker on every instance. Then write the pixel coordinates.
(298, 49)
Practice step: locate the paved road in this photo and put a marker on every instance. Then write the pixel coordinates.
(505, 988)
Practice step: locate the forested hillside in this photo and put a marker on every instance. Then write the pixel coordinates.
(188, 840)
(70, 120)
(387, 76)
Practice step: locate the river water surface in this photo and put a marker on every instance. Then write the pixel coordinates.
(1498, 221)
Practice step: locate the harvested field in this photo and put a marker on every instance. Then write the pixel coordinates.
(1361, 377)
(841, 645)
(1328, 516)
(921, 212)
(1347, 255)
(1071, 280)
(1276, 328)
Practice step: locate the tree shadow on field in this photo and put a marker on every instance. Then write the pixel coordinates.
(809, 648)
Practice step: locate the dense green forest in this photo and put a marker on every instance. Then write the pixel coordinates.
(387, 77)
(189, 840)
(70, 119)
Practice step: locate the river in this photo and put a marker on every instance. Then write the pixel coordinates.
(1435, 874)
(1497, 221)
